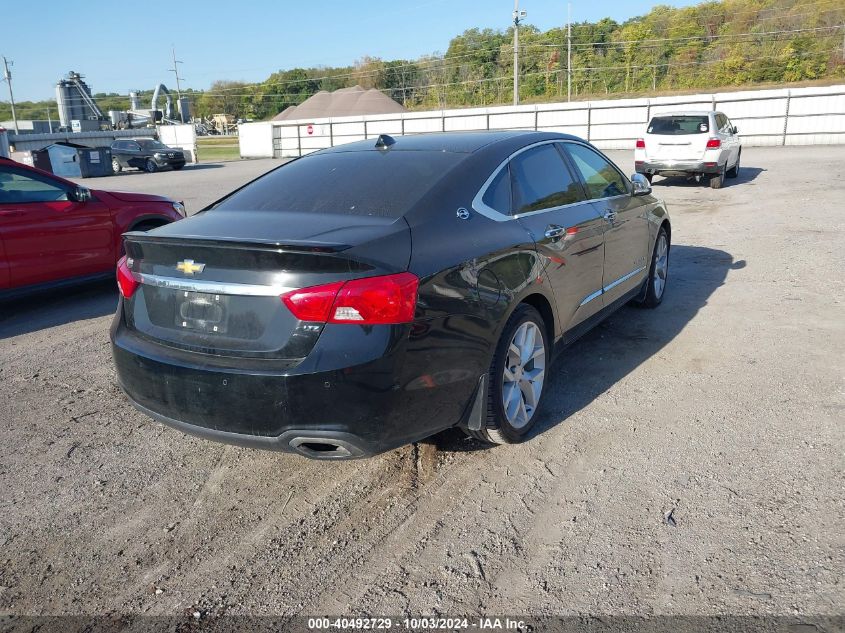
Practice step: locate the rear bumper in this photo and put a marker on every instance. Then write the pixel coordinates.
(669, 167)
(320, 411)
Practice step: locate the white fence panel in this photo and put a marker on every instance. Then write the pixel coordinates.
(815, 124)
(374, 128)
(562, 118)
(816, 139)
(512, 121)
(758, 127)
(638, 114)
(477, 122)
(418, 126)
(834, 104)
(765, 117)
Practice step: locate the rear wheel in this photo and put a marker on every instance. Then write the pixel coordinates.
(150, 166)
(658, 273)
(116, 167)
(733, 172)
(717, 180)
(516, 378)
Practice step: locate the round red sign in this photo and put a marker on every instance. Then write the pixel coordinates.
(310, 129)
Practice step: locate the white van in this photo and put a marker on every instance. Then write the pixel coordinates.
(694, 144)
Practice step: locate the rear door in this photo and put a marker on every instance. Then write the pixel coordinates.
(549, 201)
(626, 238)
(132, 154)
(728, 138)
(677, 137)
(48, 237)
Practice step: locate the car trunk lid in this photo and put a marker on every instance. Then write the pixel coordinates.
(213, 284)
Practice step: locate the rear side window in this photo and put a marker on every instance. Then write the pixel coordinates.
(678, 125)
(385, 184)
(541, 180)
(498, 194)
(602, 179)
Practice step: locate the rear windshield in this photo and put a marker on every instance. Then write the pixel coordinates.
(385, 184)
(675, 125)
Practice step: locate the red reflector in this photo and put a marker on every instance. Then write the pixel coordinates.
(572, 230)
(714, 143)
(368, 301)
(125, 281)
(640, 143)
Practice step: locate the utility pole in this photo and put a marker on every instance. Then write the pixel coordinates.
(569, 53)
(175, 71)
(518, 16)
(8, 77)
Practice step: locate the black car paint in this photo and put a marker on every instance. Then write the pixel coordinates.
(366, 389)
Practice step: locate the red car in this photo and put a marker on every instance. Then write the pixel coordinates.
(54, 232)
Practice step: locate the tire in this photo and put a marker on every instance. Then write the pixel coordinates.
(658, 272)
(648, 177)
(717, 180)
(116, 167)
(510, 417)
(150, 166)
(733, 172)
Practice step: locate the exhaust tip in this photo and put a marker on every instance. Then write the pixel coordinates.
(325, 448)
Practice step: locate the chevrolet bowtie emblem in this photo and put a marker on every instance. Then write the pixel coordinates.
(189, 267)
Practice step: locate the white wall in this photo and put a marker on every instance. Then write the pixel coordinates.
(256, 140)
(182, 136)
(799, 116)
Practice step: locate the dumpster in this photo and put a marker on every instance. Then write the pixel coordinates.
(74, 161)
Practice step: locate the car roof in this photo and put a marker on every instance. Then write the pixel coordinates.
(455, 142)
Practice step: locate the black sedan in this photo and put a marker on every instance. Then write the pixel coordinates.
(147, 154)
(373, 294)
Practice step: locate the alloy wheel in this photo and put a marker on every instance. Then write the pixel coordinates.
(523, 375)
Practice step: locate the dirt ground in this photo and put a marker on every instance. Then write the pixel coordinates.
(691, 463)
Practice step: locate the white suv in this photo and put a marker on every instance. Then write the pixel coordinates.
(692, 144)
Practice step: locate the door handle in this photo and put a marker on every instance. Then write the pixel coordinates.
(553, 231)
(610, 215)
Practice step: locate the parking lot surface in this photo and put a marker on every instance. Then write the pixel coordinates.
(691, 463)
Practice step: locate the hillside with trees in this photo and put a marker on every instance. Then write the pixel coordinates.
(716, 44)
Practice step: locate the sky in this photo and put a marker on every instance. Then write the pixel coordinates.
(120, 50)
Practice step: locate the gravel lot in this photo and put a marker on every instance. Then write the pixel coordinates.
(692, 461)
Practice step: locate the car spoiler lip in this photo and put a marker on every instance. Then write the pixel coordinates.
(301, 246)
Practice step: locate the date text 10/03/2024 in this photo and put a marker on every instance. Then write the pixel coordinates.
(415, 624)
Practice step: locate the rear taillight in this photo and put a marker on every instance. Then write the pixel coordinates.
(314, 303)
(368, 301)
(713, 143)
(125, 281)
(640, 143)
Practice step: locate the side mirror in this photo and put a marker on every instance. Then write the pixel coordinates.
(81, 194)
(734, 129)
(642, 187)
